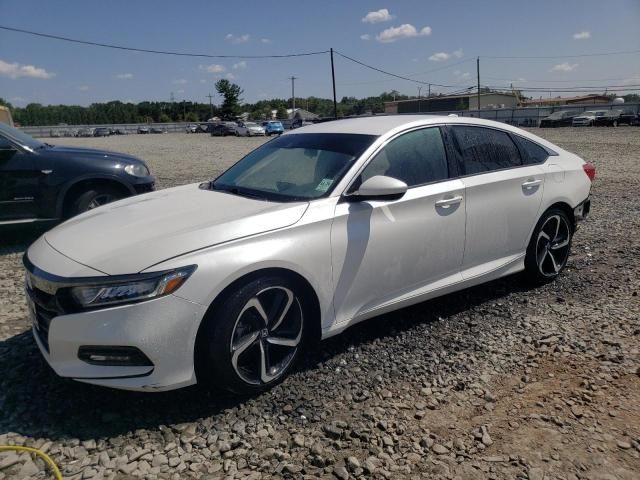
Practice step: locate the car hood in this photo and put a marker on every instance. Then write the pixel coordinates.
(136, 233)
(90, 153)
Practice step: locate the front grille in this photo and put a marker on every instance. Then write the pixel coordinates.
(46, 308)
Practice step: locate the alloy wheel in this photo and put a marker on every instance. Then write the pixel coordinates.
(552, 247)
(99, 200)
(266, 335)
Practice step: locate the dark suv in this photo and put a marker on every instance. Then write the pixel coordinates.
(41, 182)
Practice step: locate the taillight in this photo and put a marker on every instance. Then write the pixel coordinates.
(590, 170)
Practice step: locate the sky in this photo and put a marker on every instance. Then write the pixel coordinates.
(433, 41)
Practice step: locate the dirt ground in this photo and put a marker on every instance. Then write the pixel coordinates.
(501, 381)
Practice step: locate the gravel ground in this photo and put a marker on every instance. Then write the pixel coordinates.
(500, 381)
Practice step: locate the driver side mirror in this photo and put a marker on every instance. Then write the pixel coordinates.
(379, 187)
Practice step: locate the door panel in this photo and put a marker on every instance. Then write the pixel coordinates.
(502, 209)
(382, 250)
(18, 184)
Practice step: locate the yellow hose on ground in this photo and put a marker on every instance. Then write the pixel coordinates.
(54, 468)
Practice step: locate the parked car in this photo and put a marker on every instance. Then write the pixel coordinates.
(248, 129)
(223, 129)
(225, 282)
(85, 132)
(101, 132)
(46, 183)
(143, 130)
(119, 131)
(197, 128)
(562, 118)
(157, 130)
(613, 118)
(587, 119)
(273, 127)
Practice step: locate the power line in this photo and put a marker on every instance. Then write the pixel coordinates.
(159, 52)
(392, 74)
(560, 81)
(626, 52)
(413, 74)
(568, 89)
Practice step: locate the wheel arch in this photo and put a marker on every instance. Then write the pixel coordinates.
(313, 301)
(71, 189)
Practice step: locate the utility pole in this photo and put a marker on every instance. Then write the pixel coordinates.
(210, 103)
(333, 79)
(478, 71)
(429, 90)
(184, 110)
(419, 89)
(293, 96)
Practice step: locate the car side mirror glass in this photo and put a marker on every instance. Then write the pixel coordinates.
(379, 187)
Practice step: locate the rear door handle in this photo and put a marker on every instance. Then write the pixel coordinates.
(532, 182)
(447, 202)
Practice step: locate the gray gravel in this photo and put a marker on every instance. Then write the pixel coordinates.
(499, 381)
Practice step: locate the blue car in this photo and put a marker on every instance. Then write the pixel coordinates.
(273, 128)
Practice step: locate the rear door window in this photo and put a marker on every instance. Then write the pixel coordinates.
(485, 149)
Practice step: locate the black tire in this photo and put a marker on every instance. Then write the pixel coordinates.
(94, 197)
(549, 247)
(235, 321)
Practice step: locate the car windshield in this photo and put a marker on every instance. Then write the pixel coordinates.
(589, 114)
(294, 167)
(14, 135)
(250, 124)
(275, 124)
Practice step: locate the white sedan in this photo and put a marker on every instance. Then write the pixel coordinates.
(310, 233)
(249, 129)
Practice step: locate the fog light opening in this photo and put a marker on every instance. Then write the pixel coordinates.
(113, 356)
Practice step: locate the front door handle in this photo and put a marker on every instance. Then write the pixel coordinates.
(531, 182)
(448, 202)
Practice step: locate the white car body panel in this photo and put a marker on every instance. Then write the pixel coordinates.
(361, 259)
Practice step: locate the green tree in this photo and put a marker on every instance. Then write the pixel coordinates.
(231, 93)
(282, 112)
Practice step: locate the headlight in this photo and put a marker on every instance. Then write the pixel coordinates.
(137, 170)
(129, 289)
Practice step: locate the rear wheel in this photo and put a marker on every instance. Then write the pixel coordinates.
(549, 247)
(251, 340)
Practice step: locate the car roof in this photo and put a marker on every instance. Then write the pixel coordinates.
(381, 124)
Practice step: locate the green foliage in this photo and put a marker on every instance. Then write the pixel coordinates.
(5, 103)
(231, 93)
(281, 112)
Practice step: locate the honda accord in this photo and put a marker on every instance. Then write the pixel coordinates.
(223, 282)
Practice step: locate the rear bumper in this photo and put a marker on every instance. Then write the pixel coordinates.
(582, 210)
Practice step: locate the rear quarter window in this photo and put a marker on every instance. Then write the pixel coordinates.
(532, 153)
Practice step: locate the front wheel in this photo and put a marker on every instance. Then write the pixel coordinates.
(250, 341)
(94, 197)
(549, 247)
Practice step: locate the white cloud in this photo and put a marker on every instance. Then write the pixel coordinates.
(16, 70)
(265, 40)
(83, 88)
(464, 76)
(366, 36)
(181, 81)
(239, 65)
(231, 76)
(124, 76)
(230, 37)
(564, 67)
(439, 57)
(585, 35)
(213, 68)
(379, 16)
(406, 30)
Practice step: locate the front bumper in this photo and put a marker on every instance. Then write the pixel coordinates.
(163, 329)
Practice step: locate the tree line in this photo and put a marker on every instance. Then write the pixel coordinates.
(36, 114)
